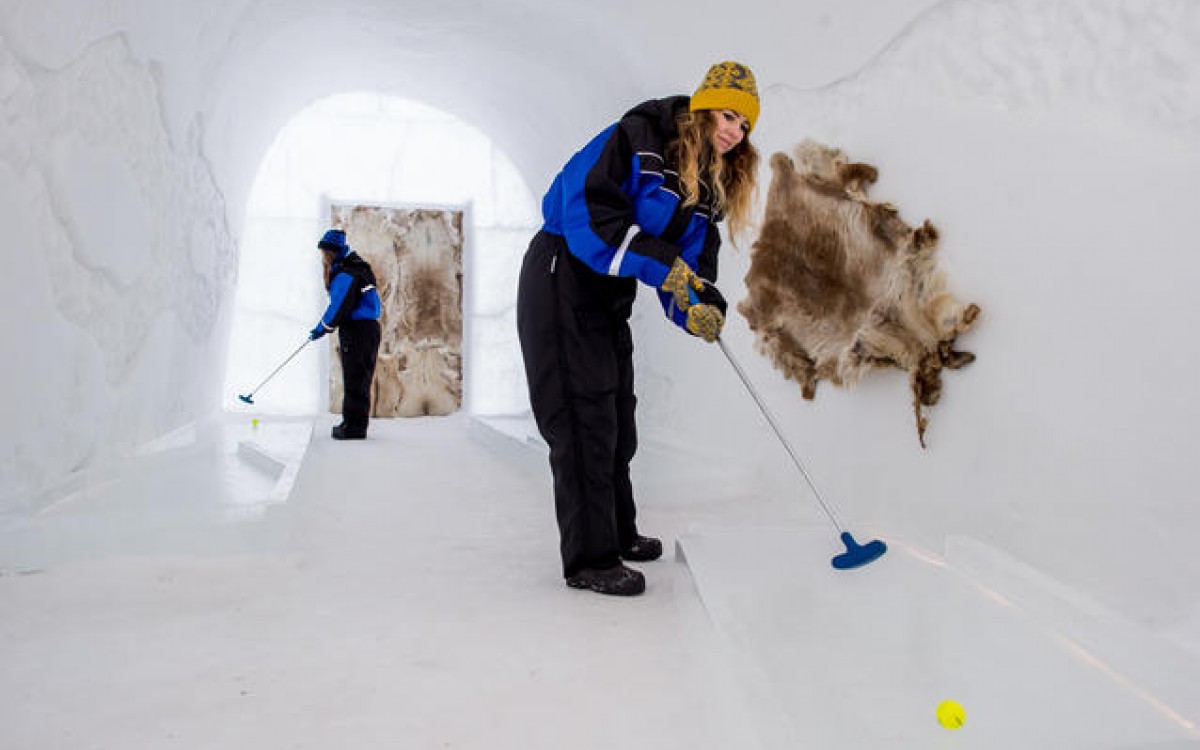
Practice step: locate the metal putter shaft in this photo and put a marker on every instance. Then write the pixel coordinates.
(856, 555)
(249, 397)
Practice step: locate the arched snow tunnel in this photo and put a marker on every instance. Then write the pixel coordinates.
(1040, 569)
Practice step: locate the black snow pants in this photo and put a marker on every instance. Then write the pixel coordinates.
(358, 346)
(574, 329)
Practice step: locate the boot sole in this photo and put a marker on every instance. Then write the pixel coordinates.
(634, 587)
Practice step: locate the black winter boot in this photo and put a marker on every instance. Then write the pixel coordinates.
(342, 432)
(643, 549)
(615, 581)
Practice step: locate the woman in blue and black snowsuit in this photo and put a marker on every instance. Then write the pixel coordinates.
(354, 310)
(640, 202)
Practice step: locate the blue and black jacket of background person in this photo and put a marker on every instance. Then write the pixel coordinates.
(617, 203)
(351, 285)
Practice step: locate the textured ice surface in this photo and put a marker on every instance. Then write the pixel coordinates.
(121, 255)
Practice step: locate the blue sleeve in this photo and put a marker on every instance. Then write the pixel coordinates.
(339, 289)
(598, 214)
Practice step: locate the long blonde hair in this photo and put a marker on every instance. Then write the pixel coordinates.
(732, 177)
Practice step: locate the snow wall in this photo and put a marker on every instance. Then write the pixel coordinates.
(1055, 144)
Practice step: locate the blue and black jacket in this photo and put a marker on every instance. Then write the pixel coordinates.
(352, 293)
(617, 203)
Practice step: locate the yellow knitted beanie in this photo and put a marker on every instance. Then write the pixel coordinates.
(728, 85)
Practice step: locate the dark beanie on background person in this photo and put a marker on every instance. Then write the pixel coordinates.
(728, 85)
(334, 239)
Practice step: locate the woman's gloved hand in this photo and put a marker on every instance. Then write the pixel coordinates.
(706, 321)
(682, 283)
(710, 295)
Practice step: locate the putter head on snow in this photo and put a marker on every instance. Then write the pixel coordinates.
(858, 555)
(246, 399)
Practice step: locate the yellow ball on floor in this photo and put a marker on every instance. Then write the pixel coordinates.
(951, 715)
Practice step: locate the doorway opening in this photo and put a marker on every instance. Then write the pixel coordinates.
(368, 149)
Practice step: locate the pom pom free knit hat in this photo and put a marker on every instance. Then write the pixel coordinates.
(334, 239)
(728, 85)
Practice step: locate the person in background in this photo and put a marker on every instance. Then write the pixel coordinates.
(639, 203)
(354, 310)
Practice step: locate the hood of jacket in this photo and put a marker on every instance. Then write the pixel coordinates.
(660, 114)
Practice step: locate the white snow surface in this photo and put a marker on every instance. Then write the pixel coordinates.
(396, 600)
(1053, 143)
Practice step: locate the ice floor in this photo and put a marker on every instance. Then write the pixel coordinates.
(252, 589)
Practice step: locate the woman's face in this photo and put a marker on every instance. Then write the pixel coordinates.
(730, 129)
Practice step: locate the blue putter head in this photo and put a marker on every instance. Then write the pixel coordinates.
(858, 555)
(246, 399)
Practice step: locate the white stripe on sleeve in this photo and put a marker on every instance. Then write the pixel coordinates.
(614, 268)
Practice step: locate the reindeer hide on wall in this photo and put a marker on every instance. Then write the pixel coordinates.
(839, 285)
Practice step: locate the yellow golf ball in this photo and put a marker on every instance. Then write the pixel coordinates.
(254, 422)
(951, 715)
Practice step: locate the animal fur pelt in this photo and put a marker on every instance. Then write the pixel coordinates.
(417, 257)
(839, 285)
